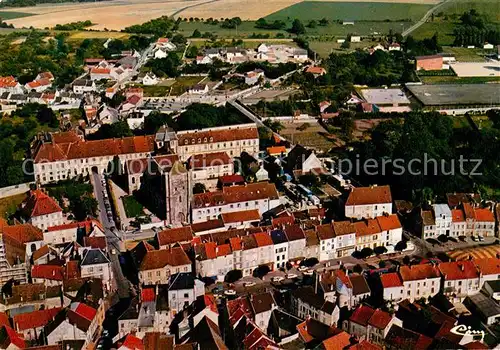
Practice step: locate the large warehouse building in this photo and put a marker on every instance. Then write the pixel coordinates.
(456, 99)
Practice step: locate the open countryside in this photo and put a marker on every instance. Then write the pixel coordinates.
(368, 11)
(118, 15)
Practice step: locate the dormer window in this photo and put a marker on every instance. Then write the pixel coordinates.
(205, 139)
(199, 140)
(186, 142)
(211, 139)
(193, 141)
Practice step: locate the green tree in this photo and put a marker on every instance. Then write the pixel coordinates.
(297, 27)
(324, 22)
(312, 24)
(196, 34)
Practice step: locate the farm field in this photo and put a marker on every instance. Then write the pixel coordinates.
(5, 15)
(366, 11)
(80, 35)
(333, 30)
(120, 14)
(110, 14)
(443, 28)
(255, 9)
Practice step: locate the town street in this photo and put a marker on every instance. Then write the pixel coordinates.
(113, 241)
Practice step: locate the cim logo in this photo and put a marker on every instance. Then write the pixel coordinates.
(468, 332)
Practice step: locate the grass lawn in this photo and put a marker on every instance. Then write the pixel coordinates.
(132, 207)
(363, 11)
(443, 28)
(155, 90)
(182, 83)
(467, 55)
(8, 205)
(457, 80)
(5, 15)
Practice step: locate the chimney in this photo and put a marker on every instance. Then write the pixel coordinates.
(462, 267)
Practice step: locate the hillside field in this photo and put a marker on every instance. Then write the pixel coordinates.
(363, 11)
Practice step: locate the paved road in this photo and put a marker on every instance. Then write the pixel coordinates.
(119, 282)
(425, 18)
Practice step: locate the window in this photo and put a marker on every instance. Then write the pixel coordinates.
(186, 295)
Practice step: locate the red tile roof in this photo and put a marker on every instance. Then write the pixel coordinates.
(484, 215)
(42, 251)
(203, 161)
(315, 70)
(39, 203)
(369, 195)
(97, 70)
(175, 235)
(13, 337)
(235, 243)
(367, 227)
(325, 231)
(458, 270)
(85, 311)
(50, 152)
(488, 266)
(469, 211)
(95, 242)
(418, 272)
(343, 228)
(337, 342)
(389, 222)
(212, 250)
(4, 319)
(23, 233)
(241, 216)
(49, 272)
(212, 136)
(390, 280)
(158, 259)
(380, 319)
(230, 179)
(362, 315)
(263, 239)
(236, 194)
(294, 232)
(276, 150)
(133, 343)
(6, 82)
(34, 319)
(148, 294)
(457, 215)
(283, 220)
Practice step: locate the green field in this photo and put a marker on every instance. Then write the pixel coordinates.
(443, 28)
(5, 15)
(488, 8)
(334, 29)
(363, 11)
